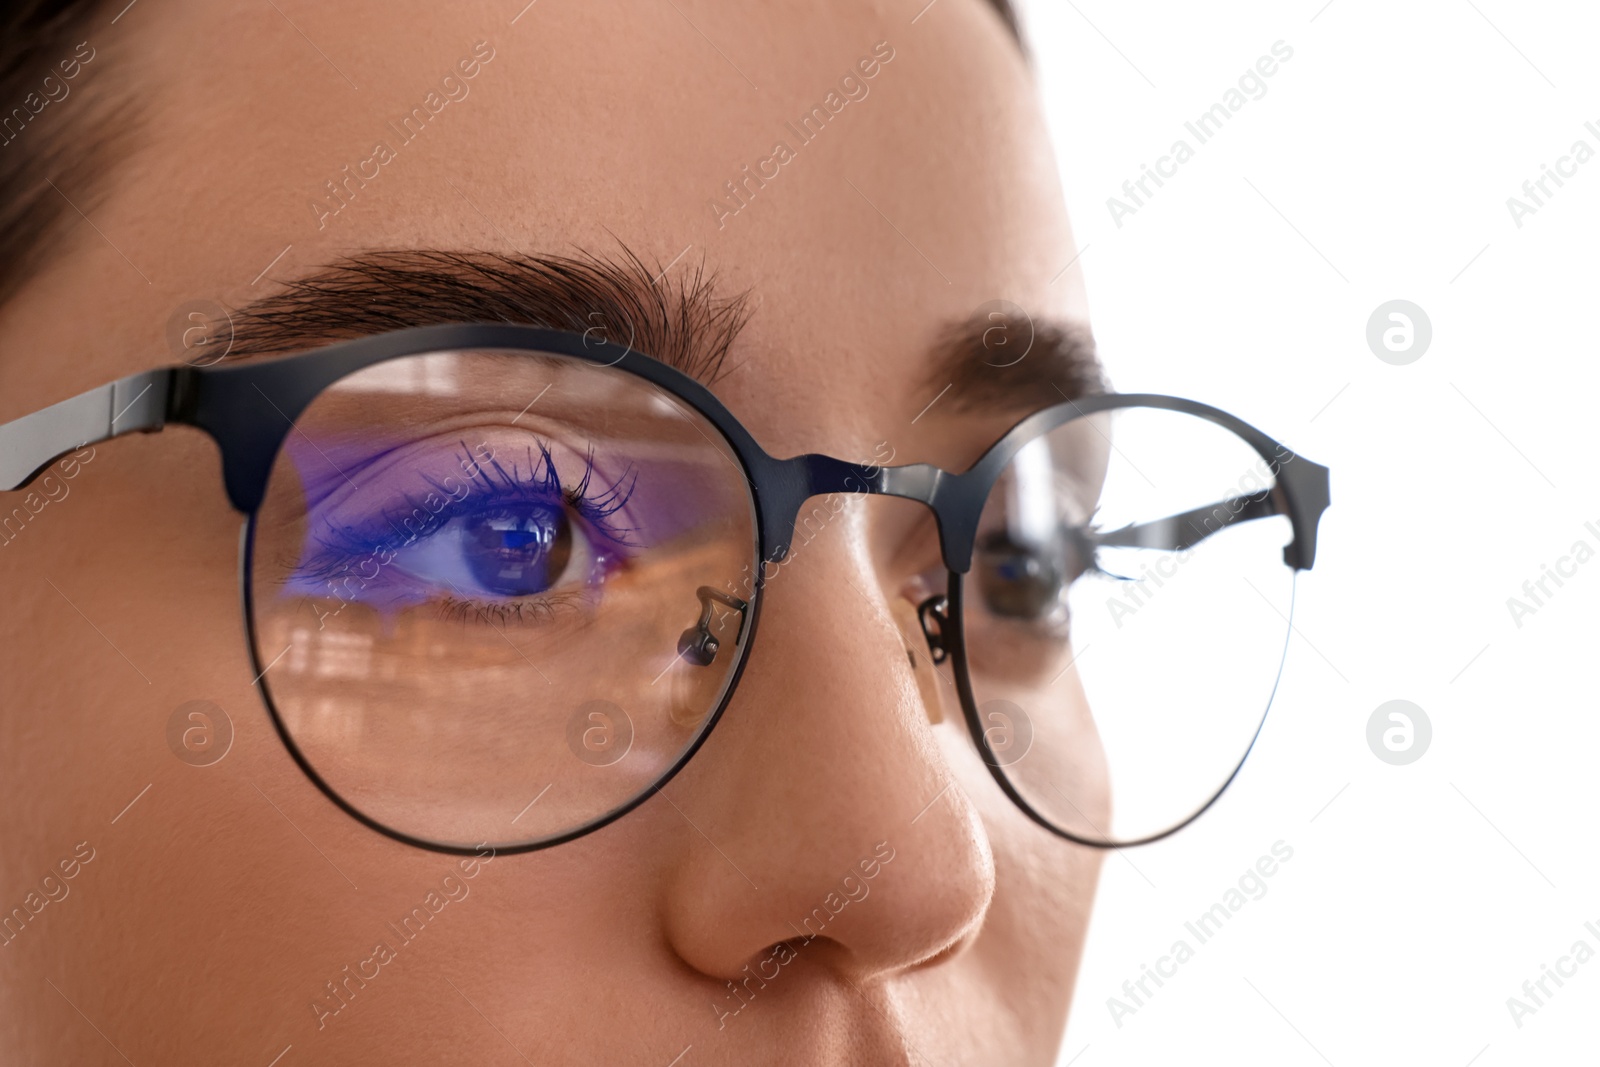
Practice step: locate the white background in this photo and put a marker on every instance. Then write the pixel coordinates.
(1376, 167)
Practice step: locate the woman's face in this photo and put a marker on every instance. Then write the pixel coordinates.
(229, 911)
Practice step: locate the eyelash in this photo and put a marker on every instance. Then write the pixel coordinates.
(533, 610)
(493, 486)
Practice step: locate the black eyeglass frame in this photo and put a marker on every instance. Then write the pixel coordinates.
(249, 410)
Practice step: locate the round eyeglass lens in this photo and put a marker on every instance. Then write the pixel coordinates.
(499, 595)
(1125, 618)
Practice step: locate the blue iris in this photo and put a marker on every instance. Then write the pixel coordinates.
(518, 552)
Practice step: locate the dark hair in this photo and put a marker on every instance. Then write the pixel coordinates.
(45, 158)
(46, 58)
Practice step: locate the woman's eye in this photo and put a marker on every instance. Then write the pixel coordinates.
(1024, 581)
(493, 539)
(500, 553)
(512, 554)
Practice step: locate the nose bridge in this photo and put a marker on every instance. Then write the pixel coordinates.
(813, 475)
(824, 759)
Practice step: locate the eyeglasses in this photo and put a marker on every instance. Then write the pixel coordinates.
(500, 583)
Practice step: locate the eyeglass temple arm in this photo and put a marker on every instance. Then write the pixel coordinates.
(138, 403)
(1176, 533)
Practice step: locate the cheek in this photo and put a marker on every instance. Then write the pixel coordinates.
(201, 894)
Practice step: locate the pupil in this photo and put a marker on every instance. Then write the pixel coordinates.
(1019, 581)
(519, 553)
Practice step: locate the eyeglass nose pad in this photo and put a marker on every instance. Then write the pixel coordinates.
(698, 646)
(916, 620)
(933, 615)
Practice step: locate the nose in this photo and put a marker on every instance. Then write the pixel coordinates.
(826, 815)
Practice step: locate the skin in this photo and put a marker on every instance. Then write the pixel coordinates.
(219, 904)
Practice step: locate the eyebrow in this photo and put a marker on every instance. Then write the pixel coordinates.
(682, 318)
(1009, 362)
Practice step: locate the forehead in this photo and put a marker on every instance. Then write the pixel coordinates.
(867, 177)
